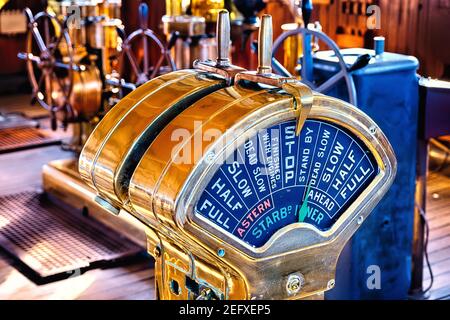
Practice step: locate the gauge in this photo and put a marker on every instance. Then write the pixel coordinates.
(277, 178)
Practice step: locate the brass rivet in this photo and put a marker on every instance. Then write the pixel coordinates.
(330, 284)
(294, 283)
(221, 252)
(360, 219)
(157, 252)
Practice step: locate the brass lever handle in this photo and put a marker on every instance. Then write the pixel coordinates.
(265, 39)
(223, 38)
(222, 65)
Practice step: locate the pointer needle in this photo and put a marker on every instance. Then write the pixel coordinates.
(304, 208)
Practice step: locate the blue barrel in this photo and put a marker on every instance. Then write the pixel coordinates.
(387, 91)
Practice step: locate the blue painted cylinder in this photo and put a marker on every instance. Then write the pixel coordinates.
(387, 91)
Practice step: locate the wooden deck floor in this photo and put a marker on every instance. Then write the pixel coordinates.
(22, 171)
(133, 281)
(438, 214)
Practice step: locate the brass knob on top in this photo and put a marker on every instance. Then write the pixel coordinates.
(223, 38)
(265, 38)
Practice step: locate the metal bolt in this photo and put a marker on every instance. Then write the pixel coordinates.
(205, 292)
(157, 252)
(209, 157)
(330, 284)
(221, 252)
(360, 219)
(294, 283)
(373, 130)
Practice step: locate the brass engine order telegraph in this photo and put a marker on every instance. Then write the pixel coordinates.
(247, 191)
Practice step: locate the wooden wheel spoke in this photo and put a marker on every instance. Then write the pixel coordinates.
(157, 66)
(330, 82)
(39, 40)
(133, 61)
(37, 88)
(144, 69)
(51, 88)
(48, 89)
(60, 85)
(41, 81)
(146, 55)
(46, 33)
(55, 45)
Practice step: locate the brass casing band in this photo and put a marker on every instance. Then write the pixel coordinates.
(112, 151)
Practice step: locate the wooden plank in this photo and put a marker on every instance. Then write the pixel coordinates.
(17, 286)
(15, 178)
(439, 233)
(143, 281)
(440, 294)
(439, 223)
(439, 268)
(441, 281)
(439, 255)
(439, 244)
(142, 295)
(119, 283)
(438, 214)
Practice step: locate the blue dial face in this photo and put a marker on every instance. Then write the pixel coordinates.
(277, 178)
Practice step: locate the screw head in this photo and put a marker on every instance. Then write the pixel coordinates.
(294, 283)
(209, 157)
(360, 219)
(330, 284)
(221, 252)
(157, 252)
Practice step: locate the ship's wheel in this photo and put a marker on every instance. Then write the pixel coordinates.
(141, 68)
(50, 64)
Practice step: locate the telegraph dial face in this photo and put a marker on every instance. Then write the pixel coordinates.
(276, 178)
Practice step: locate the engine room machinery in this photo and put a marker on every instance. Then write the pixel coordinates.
(75, 54)
(249, 184)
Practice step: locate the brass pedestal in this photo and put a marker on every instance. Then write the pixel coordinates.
(61, 180)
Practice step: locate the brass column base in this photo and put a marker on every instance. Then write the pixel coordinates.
(61, 180)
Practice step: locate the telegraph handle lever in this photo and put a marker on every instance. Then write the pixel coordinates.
(223, 38)
(265, 40)
(173, 39)
(143, 15)
(302, 94)
(307, 8)
(362, 61)
(222, 64)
